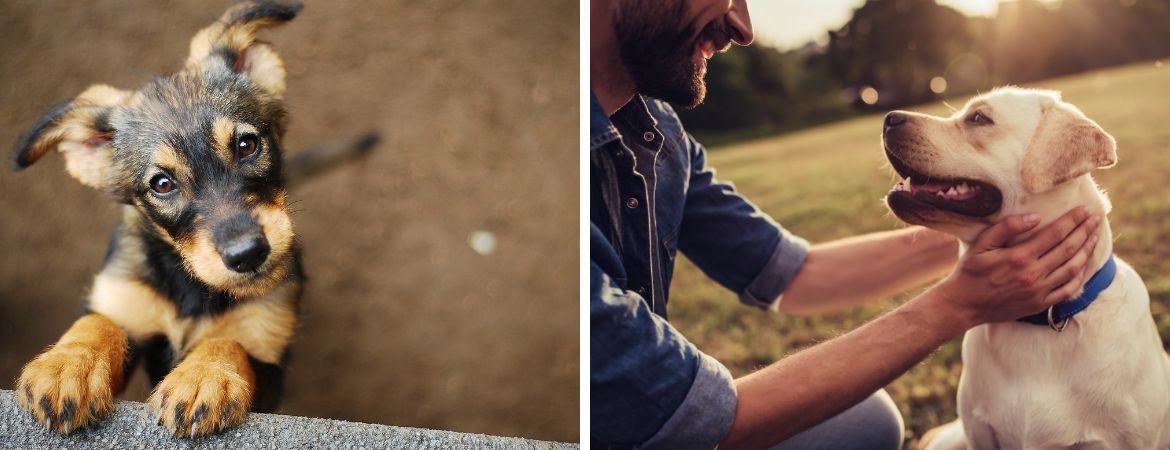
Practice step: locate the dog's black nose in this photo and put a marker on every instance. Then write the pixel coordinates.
(894, 119)
(246, 253)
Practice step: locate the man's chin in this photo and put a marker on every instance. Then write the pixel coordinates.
(683, 95)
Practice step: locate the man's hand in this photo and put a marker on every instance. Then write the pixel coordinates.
(995, 282)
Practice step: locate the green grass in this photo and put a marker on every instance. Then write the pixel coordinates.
(828, 182)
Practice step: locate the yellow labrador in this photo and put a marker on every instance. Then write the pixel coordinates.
(1088, 373)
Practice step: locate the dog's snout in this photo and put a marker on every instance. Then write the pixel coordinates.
(895, 118)
(241, 243)
(246, 254)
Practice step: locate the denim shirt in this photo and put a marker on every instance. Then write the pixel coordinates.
(651, 196)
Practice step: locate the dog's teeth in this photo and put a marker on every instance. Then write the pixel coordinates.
(962, 188)
(951, 191)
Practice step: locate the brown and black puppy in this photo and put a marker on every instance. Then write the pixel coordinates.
(203, 275)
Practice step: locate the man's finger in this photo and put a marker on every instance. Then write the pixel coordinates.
(998, 235)
(1076, 242)
(1072, 268)
(1066, 291)
(1053, 233)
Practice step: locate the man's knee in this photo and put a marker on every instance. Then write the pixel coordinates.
(880, 422)
(875, 423)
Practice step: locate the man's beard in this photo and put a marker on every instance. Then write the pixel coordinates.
(657, 49)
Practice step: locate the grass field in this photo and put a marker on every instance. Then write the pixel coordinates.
(828, 183)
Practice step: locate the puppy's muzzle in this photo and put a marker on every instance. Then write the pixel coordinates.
(241, 244)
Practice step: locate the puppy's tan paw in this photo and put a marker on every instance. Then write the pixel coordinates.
(69, 387)
(201, 397)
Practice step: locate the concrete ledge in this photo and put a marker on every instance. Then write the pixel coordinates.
(132, 426)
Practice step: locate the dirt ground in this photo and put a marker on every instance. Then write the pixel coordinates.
(403, 322)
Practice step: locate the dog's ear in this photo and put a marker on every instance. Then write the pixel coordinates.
(1066, 145)
(80, 129)
(232, 41)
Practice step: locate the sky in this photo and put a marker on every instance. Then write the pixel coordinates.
(789, 24)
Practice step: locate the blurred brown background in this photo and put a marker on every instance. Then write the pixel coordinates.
(404, 323)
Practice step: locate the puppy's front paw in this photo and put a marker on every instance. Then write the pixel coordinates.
(202, 396)
(69, 387)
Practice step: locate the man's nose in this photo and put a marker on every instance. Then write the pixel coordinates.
(740, 21)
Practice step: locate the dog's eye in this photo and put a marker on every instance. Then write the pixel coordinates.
(162, 184)
(979, 119)
(246, 145)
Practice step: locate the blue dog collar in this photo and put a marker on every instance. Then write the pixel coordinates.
(1057, 316)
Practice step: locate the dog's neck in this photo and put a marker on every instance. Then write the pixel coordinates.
(1051, 205)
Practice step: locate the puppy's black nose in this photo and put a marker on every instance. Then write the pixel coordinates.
(246, 253)
(894, 119)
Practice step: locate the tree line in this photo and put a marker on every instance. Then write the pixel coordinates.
(894, 53)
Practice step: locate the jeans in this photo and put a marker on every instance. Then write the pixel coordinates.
(873, 424)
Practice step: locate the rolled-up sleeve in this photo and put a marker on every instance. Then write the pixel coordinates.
(649, 387)
(732, 241)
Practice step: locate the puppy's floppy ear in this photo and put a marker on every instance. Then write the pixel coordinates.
(81, 130)
(1066, 145)
(232, 41)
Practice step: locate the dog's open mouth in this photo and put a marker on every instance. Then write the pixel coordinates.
(966, 197)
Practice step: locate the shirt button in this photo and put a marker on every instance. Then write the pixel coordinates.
(641, 290)
(631, 203)
(648, 136)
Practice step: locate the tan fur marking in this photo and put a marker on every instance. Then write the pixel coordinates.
(264, 326)
(73, 383)
(265, 68)
(103, 95)
(278, 229)
(211, 389)
(203, 260)
(168, 158)
(87, 165)
(262, 65)
(162, 233)
(133, 305)
(222, 131)
(202, 44)
(87, 151)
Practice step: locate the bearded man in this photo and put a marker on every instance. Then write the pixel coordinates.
(652, 194)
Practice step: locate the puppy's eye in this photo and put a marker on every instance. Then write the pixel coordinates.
(162, 184)
(979, 119)
(246, 145)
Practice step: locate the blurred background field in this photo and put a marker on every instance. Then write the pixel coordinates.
(828, 182)
(443, 268)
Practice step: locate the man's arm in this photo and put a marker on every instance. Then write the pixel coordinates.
(992, 283)
(649, 387)
(849, 272)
